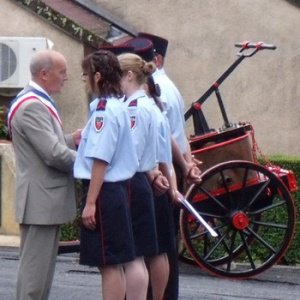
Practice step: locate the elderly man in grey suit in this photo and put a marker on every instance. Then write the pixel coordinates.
(45, 196)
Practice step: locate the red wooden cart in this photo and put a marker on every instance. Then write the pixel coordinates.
(249, 205)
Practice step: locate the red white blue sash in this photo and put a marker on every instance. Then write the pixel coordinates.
(32, 94)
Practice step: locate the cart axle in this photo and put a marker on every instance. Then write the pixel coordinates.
(240, 221)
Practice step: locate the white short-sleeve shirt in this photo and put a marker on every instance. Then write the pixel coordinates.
(143, 129)
(174, 106)
(107, 136)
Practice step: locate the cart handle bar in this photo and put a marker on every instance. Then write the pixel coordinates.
(256, 46)
(260, 45)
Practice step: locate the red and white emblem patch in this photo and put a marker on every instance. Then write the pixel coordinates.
(99, 123)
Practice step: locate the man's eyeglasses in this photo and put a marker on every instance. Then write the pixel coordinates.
(84, 76)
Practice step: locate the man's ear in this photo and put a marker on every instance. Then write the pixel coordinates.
(158, 60)
(43, 74)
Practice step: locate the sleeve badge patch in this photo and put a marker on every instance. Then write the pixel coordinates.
(99, 123)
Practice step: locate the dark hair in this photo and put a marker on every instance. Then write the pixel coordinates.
(107, 64)
(154, 91)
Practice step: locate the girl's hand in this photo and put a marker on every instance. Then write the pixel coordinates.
(88, 216)
(160, 185)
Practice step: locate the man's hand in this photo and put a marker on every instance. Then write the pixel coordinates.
(77, 136)
(193, 174)
(196, 161)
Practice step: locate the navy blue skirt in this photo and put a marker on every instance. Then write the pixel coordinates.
(112, 241)
(143, 216)
(166, 236)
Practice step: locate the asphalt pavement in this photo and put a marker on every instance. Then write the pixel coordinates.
(73, 281)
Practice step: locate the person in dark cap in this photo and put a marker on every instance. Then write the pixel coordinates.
(160, 44)
(142, 47)
(118, 49)
(170, 95)
(173, 104)
(172, 100)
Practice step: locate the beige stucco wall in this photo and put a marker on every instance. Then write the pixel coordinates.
(8, 224)
(17, 21)
(264, 89)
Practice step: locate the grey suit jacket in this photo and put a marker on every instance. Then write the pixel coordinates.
(44, 163)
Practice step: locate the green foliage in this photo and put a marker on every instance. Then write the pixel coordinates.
(3, 131)
(292, 256)
(3, 127)
(70, 231)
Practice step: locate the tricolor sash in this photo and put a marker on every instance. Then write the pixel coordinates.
(31, 94)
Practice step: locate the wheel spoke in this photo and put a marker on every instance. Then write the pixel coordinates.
(220, 233)
(224, 182)
(266, 208)
(256, 196)
(267, 224)
(213, 198)
(222, 237)
(217, 227)
(247, 250)
(202, 213)
(225, 185)
(244, 181)
(198, 235)
(260, 239)
(195, 232)
(245, 178)
(230, 257)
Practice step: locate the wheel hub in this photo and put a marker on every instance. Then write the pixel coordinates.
(240, 220)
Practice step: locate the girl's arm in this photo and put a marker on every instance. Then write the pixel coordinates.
(97, 178)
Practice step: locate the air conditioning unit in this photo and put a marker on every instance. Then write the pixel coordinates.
(15, 56)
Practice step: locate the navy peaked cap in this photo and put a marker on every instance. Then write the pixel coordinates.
(160, 44)
(142, 47)
(118, 49)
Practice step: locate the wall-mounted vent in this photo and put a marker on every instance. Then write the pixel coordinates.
(15, 56)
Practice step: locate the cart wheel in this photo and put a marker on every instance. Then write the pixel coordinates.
(253, 213)
(184, 254)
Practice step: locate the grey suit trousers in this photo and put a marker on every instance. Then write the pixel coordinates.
(38, 251)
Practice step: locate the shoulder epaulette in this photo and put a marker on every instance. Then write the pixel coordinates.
(101, 104)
